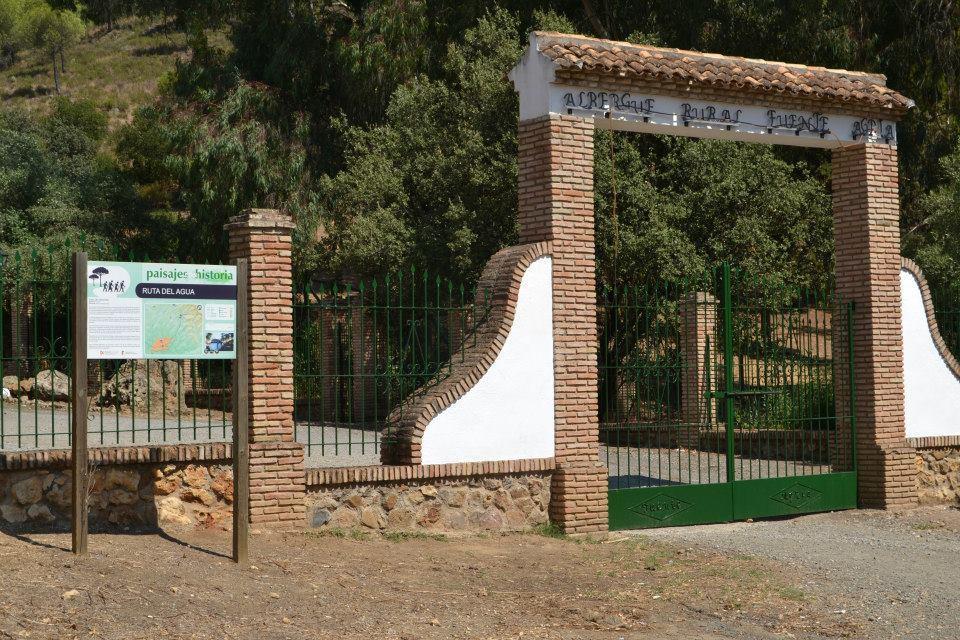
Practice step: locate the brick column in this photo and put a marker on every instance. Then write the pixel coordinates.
(698, 324)
(866, 213)
(555, 187)
(277, 480)
(21, 317)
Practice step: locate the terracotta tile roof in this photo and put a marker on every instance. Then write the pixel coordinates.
(572, 52)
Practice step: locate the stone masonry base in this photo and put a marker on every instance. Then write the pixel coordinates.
(937, 463)
(491, 503)
(128, 496)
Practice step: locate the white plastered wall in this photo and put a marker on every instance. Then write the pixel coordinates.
(931, 390)
(508, 414)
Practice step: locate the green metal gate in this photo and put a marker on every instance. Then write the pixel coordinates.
(725, 399)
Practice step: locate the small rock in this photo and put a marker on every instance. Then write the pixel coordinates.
(120, 496)
(40, 512)
(355, 501)
(428, 491)
(11, 384)
(14, 514)
(320, 517)
(29, 490)
(202, 496)
(71, 594)
(344, 518)
(52, 386)
(491, 520)
(400, 518)
(170, 511)
(118, 478)
(371, 518)
(274, 595)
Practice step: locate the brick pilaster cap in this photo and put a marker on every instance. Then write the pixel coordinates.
(262, 219)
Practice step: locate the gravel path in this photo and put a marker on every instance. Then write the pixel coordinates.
(899, 570)
(651, 467)
(44, 426)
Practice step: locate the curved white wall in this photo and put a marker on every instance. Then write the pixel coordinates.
(508, 414)
(931, 390)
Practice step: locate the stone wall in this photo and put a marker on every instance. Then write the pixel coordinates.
(132, 496)
(491, 503)
(938, 475)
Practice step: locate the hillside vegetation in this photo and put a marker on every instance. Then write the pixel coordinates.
(388, 130)
(116, 69)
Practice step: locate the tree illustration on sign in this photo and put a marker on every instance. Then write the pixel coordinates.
(98, 273)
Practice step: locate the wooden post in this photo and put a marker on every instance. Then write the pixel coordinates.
(241, 426)
(81, 480)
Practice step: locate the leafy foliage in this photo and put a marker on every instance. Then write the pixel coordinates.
(54, 184)
(388, 128)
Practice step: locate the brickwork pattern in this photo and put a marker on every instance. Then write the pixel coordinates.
(579, 498)
(499, 287)
(556, 204)
(263, 236)
(866, 212)
(401, 473)
(103, 456)
(698, 324)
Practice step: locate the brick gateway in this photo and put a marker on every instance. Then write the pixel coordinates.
(569, 85)
(533, 454)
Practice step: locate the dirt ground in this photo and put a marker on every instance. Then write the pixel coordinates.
(899, 570)
(302, 585)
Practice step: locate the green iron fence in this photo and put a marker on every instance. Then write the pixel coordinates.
(131, 401)
(720, 379)
(946, 304)
(361, 351)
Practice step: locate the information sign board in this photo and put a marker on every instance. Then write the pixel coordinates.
(161, 311)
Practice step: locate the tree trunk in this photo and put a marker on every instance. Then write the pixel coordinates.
(594, 19)
(56, 73)
(63, 61)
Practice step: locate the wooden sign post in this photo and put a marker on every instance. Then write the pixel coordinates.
(81, 471)
(241, 427)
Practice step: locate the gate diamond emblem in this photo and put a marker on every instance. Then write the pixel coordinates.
(796, 495)
(661, 507)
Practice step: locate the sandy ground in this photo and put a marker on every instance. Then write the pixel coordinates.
(898, 570)
(303, 585)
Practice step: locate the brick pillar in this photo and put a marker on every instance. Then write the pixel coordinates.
(364, 344)
(698, 323)
(21, 317)
(555, 187)
(277, 480)
(866, 213)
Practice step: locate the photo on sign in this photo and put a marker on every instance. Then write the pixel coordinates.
(218, 342)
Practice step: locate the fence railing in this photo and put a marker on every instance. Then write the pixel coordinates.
(131, 401)
(363, 349)
(946, 305)
(672, 356)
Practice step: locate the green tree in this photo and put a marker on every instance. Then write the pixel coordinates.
(436, 183)
(53, 32)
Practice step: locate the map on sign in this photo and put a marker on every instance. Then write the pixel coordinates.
(175, 328)
(168, 311)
